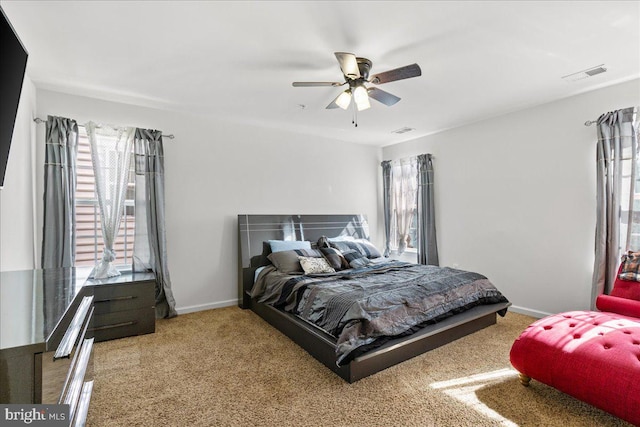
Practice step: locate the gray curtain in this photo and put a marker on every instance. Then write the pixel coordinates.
(427, 244)
(616, 175)
(150, 246)
(59, 222)
(386, 204)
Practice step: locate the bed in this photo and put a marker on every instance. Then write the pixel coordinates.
(292, 306)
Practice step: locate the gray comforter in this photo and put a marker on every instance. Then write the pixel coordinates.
(361, 306)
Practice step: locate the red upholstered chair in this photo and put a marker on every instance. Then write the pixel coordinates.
(590, 355)
(623, 299)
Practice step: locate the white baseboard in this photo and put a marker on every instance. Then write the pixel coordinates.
(529, 312)
(210, 306)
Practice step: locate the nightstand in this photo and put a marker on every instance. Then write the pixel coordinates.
(124, 305)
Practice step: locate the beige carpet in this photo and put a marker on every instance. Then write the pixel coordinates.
(227, 367)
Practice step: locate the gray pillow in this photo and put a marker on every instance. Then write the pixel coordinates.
(363, 246)
(355, 258)
(367, 248)
(287, 261)
(334, 258)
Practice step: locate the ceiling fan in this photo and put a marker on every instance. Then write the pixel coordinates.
(356, 74)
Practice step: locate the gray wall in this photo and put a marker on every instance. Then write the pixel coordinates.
(516, 197)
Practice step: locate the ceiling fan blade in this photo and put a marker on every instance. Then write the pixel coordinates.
(381, 96)
(310, 84)
(405, 72)
(348, 64)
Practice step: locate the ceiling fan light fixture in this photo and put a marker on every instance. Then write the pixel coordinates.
(361, 98)
(355, 71)
(344, 100)
(363, 105)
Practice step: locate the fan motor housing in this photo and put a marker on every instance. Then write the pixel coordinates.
(364, 66)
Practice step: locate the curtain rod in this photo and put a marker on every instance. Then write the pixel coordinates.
(39, 120)
(590, 122)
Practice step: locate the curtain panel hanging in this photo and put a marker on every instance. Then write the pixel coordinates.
(617, 153)
(111, 158)
(427, 244)
(386, 205)
(150, 245)
(59, 222)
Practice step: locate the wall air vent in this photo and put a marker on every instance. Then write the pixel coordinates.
(589, 72)
(403, 130)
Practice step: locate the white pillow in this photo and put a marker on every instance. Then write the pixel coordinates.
(315, 265)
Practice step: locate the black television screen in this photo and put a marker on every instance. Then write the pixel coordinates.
(12, 69)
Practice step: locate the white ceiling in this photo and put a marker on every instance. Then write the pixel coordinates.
(237, 60)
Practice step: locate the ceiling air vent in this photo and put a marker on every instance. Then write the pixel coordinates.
(589, 72)
(403, 130)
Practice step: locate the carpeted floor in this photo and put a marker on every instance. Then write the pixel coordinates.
(227, 367)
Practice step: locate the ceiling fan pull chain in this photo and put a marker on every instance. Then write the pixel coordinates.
(355, 115)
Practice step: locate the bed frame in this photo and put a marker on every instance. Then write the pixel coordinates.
(253, 230)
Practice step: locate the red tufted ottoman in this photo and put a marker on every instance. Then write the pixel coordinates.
(592, 356)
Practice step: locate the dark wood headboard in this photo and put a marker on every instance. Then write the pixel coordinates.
(253, 230)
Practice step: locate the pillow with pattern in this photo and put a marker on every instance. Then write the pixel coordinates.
(315, 265)
(355, 259)
(368, 248)
(630, 267)
(363, 246)
(287, 261)
(335, 259)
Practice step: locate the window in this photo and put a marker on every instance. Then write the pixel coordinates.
(632, 229)
(404, 204)
(634, 236)
(89, 244)
(412, 241)
(412, 234)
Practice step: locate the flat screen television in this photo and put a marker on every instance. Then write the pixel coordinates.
(13, 63)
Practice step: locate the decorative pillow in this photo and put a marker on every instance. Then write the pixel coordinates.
(288, 245)
(363, 246)
(315, 265)
(334, 258)
(368, 248)
(355, 258)
(323, 242)
(287, 261)
(630, 267)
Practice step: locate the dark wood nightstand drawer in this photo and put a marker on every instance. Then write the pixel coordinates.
(123, 297)
(124, 323)
(123, 305)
